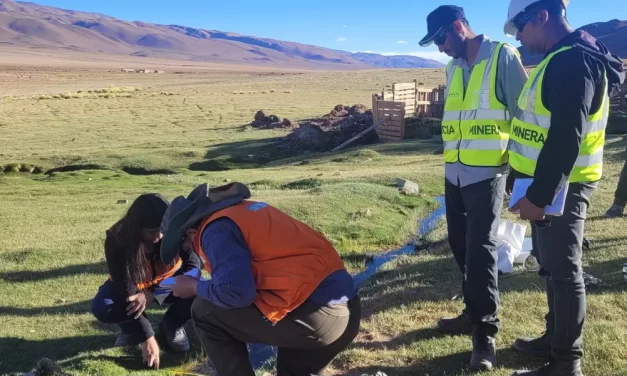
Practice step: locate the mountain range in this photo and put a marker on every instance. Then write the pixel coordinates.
(612, 33)
(25, 24)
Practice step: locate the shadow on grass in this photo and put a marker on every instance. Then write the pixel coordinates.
(20, 355)
(27, 275)
(257, 153)
(75, 308)
(448, 365)
(611, 272)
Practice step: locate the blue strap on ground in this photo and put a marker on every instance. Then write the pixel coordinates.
(259, 354)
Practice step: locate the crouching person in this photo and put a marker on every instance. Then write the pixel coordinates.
(132, 251)
(274, 280)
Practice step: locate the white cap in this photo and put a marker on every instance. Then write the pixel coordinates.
(517, 7)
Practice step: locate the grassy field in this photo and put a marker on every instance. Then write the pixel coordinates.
(145, 138)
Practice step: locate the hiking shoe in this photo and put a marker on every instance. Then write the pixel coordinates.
(483, 353)
(124, 340)
(176, 338)
(456, 325)
(555, 368)
(615, 211)
(540, 347)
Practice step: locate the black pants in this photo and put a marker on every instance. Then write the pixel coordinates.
(308, 339)
(620, 196)
(472, 214)
(109, 308)
(557, 244)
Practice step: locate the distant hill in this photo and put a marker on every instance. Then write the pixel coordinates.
(24, 24)
(396, 61)
(612, 33)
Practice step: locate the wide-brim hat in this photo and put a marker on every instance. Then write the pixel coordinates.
(187, 212)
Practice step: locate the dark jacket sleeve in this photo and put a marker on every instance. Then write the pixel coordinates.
(190, 261)
(572, 84)
(115, 262)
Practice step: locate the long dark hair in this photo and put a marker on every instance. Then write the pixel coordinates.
(145, 212)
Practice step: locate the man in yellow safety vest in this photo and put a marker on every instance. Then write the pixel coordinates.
(556, 142)
(484, 80)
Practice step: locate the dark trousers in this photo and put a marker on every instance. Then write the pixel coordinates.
(557, 244)
(109, 308)
(472, 214)
(620, 196)
(308, 339)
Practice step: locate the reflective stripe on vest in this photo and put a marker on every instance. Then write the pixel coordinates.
(162, 274)
(531, 125)
(475, 125)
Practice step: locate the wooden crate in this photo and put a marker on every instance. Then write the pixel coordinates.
(393, 115)
(405, 93)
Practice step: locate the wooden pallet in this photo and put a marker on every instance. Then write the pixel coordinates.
(393, 116)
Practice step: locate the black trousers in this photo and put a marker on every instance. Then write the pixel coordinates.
(472, 214)
(557, 244)
(620, 196)
(110, 308)
(308, 339)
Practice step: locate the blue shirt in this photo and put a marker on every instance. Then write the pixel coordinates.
(232, 284)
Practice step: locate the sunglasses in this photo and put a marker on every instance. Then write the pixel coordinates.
(441, 37)
(521, 21)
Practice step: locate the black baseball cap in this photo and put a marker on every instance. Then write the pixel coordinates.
(440, 19)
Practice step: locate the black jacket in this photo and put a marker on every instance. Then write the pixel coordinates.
(572, 90)
(115, 255)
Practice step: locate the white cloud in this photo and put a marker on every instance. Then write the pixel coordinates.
(402, 42)
(341, 39)
(344, 25)
(433, 55)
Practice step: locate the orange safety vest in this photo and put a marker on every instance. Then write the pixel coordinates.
(162, 272)
(289, 258)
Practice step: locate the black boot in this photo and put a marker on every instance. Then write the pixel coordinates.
(540, 347)
(456, 325)
(175, 337)
(483, 352)
(555, 368)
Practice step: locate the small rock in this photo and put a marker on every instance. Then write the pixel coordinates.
(337, 173)
(409, 191)
(227, 180)
(366, 213)
(90, 179)
(407, 187)
(60, 301)
(122, 202)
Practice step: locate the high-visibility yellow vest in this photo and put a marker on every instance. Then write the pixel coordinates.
(475, 124)
(531, 125)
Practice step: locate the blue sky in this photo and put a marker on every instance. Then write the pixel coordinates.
(365, 25)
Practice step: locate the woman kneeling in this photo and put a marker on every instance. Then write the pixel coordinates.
(132, 250)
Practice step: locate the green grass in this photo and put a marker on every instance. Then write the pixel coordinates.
(98, 150)
(402, 303)
(52, 255)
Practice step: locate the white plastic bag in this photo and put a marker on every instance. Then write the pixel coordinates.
(526, 251)
(510, 237)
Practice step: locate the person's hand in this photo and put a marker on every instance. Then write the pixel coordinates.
(185, 287)
(150, 353)
(138, 303)
(528, 211)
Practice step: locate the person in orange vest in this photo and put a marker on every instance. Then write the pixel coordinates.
(135, 268)
(274, 280)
